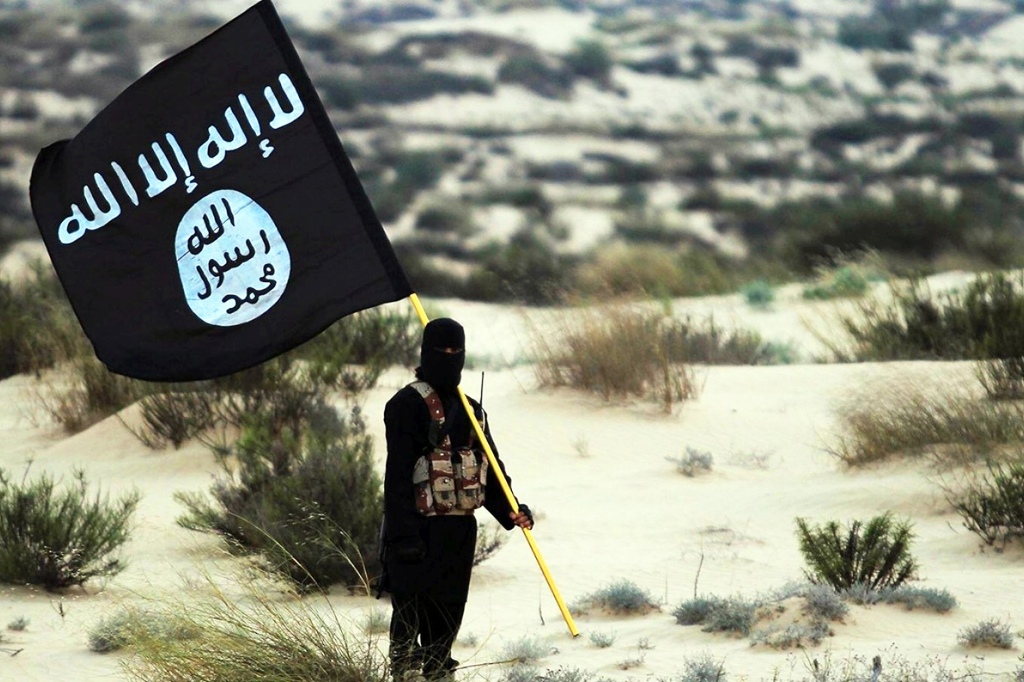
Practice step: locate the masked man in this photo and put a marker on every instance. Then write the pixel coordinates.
(436, 476)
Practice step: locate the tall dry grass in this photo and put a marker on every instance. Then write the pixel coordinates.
(616, 351)
(259, 636)
(948, 424)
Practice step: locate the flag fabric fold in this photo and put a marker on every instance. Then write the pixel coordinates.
(208, 219)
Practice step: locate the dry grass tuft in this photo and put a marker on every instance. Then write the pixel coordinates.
(615, 351)
(255, 638)
(952, 426)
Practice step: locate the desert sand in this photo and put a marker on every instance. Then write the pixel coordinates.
(610, 506)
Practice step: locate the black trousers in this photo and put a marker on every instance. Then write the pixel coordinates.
(423, 630)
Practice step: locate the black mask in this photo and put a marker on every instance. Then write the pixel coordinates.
(442, 370)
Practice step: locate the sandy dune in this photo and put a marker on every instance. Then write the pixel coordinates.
(610, 506)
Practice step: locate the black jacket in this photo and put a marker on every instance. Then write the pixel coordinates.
(446, 543)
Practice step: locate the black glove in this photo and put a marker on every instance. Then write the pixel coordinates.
(409, 551)
(529, 514)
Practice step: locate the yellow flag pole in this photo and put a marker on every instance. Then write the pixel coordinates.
(496, 471)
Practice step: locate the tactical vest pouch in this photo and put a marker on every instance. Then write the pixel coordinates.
(447, 482)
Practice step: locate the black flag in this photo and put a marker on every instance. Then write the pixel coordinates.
(208, 219)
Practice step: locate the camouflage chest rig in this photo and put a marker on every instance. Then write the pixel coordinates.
(447, 481)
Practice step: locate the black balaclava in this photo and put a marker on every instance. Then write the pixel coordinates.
(443, 371)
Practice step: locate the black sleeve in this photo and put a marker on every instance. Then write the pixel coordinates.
(494, 499)
(405, 444)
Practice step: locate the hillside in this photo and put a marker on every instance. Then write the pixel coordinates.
(520, 151)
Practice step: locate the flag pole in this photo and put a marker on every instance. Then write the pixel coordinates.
(496, 471)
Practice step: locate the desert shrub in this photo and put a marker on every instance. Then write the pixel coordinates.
(390, 84)
(448, 216)
(376, 622)
(911, 597)
(622, 597)
(792, 636)
(758, 293)
(615, 352)
(127, 626)
(695, 611)
(527, 269)
(527, 196)
(987, 633)
(534, 72)
(490, 539)
(844, 282)
(693, 462)
(37, 327)
(304, 495)
(655, 271)
(255, 639)
(590, 59)
(992, 504)
(707, 343)
(875, 554)
(601, 639)
(906, 419)
(19, 624)
(526, 650)
(985, 321)
(85, 392)
(702, 668)
(823, 603)
(892, 74)
(60, 537)
(716, 614)
(1002, 378)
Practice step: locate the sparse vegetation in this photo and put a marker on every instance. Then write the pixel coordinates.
(991, 504)
(490, 539)
(915, 419)
(992, 634)
(693, 463)
(875, 554)
(256, 638)
(60, 536)
(303, 494)
(616, 352)
(622, 597)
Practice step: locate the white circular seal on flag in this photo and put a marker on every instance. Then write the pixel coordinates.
(232, 259)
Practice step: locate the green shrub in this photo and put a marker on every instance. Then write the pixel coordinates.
(718, 615)
(758, 294)
(622, 597)
(875, 554)
(695, 611)
(37, 327)
(305, 495)
(987, 633)
(57, 537)
(447, 216)
(845, 282)
(590, 59)
(615, 352)
(526, 270)
(992, 504)
(985, 321)
(535, 73)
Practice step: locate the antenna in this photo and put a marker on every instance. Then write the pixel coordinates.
(481, 389)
